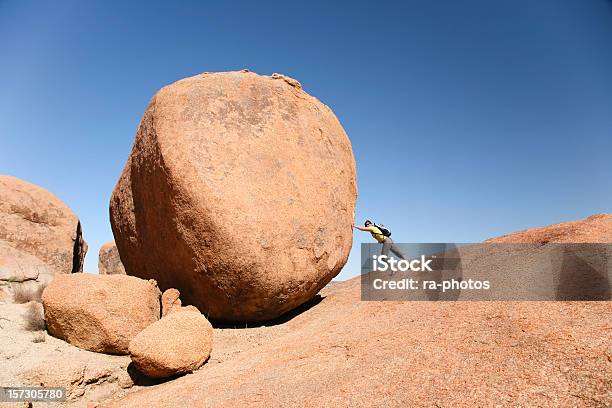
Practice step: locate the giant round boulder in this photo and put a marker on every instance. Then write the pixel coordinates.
(239, 192)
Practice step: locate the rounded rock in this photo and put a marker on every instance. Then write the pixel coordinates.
(239, 192)
(177, 344)
(35, 221)
(100, 313)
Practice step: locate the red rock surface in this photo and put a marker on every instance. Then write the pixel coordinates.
(40, 236)
(594, 229)
(109, 262)
(170, 301)
(343, 352)
(21, 272)
(240, 192)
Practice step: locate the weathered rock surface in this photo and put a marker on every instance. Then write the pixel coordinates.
(178, 343)
(170, 301)
(340, 351)
(51, 362)
(188, 308)
(39, 236)
(21, 272)
(345, 352)
(414, 354)
(595, 229)
(240, 192)
(101, 313)
(109, 262)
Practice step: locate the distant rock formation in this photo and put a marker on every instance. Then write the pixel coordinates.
(109, 262)
(40, 236)
(594, 229)
(240, 192)
(100, 313)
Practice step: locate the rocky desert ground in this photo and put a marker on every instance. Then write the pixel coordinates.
(340, 351)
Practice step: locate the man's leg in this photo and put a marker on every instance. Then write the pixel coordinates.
(395, 249)
(386, 247)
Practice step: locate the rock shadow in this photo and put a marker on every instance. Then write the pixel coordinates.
(220, 324)
(584, 273)
(139, 378)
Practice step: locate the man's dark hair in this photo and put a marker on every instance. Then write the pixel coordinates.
(367, 222)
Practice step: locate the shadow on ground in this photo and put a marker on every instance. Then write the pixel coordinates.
(279, 320)
(139, 378)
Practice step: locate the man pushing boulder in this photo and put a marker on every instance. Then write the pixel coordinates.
(383, 236)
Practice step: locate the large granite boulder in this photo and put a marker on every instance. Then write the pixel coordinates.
(101, 313)
(40, 236)
(239, 192)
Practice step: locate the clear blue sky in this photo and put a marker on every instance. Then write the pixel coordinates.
(469, 119)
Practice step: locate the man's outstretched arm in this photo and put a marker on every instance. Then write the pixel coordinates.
(369, 229)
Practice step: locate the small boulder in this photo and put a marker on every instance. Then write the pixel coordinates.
(109, 262)
(177, 344)
(170, 301)
(100, 313)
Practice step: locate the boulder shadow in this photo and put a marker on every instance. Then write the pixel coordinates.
(222, 324)
(584, 273)
(140, 379)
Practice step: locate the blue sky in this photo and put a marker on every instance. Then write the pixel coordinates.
(468, 119)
